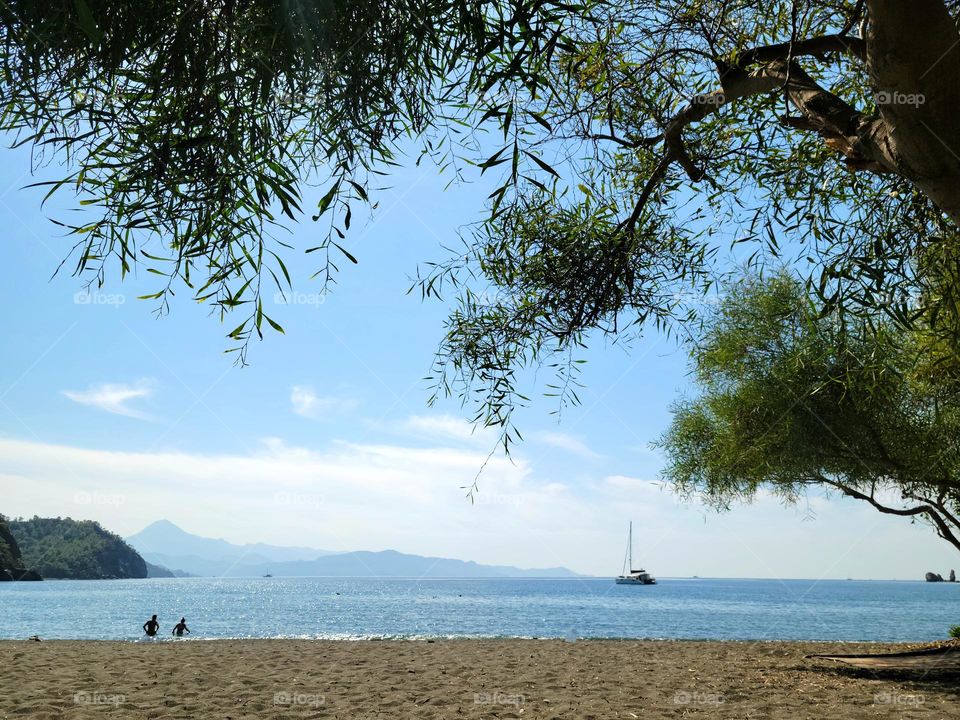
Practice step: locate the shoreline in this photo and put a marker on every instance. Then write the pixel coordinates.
(469, 678)
(431, 639)
(421, 578)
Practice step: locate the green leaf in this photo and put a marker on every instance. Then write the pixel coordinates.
(493, 161)
(87, 22)
(361, 191)
(325, 201)
(539, 118)
(350, 257)
(541, 163)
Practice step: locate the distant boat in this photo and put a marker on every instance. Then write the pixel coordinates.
(631, 576)
(268, 575)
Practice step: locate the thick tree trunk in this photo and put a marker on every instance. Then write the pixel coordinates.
(913, 56)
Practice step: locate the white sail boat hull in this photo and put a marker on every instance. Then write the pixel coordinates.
(633, 577)
(642, 578)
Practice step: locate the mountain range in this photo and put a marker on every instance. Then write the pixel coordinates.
(165, 545)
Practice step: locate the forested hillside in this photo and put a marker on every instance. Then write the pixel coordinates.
(75, 549)
(11, 562)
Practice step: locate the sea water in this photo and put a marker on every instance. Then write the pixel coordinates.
(568, 608)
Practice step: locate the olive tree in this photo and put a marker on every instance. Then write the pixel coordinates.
(788, 399)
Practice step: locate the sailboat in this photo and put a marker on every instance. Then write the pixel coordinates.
(631, 576)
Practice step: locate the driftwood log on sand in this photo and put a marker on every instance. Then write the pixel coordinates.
(945, 658)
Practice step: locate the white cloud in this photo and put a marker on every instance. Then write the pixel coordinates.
(113, 397)
(307, 403)
(346, 496)
(447, 427)
(571, 444)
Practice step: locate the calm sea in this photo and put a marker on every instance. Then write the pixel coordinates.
(339, 608)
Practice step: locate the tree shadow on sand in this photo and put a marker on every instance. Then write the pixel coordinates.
(945, 681)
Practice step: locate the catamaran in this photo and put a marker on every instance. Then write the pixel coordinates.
(631, 576)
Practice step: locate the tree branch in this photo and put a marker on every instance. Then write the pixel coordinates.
(627, 143)
(861, 140)
(816, 46)
(854, 17)
(939, 505)
(943, 529)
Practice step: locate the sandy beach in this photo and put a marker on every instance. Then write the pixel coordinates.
(452, 679)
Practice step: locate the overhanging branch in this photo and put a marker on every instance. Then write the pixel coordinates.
(861, 140)
(942, 526)
(816, 46)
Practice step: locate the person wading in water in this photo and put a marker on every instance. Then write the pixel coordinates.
(151, 626)
(180, 627)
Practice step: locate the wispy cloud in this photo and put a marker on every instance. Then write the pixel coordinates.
(350, 496)
(305, 401)
(113, 397)
(446, 427)
(571, 444)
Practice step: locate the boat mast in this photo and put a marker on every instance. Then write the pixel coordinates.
(630, 545)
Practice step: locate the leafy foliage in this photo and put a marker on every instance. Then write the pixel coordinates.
(190, 129)
(661, 160)
(75, 549)
(633, 140)
(791, 399)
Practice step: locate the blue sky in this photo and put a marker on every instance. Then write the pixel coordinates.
(109, 413)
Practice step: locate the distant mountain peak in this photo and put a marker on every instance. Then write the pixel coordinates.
(163, 543)
(162, 524)
(164, 539)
